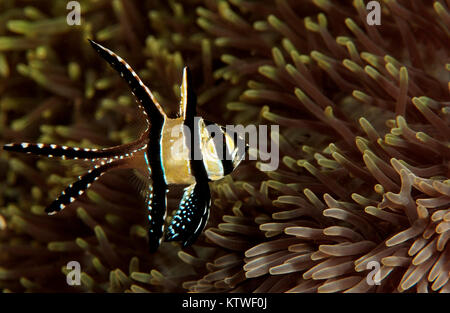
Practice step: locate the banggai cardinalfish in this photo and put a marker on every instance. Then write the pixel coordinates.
(152, 155)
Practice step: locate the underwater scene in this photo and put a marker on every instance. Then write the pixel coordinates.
(311, 151)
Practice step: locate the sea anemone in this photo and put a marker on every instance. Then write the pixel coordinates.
(359, 203)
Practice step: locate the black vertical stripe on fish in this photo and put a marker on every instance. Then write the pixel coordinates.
(156, 203)
(192, 215)
(193, 142)
(157, 195)
(65, 152)
(146, 99)
(196, 200)
(73, 191)
(226, 159)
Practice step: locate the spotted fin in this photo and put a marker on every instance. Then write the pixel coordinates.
(74, 153)
(192, 215)
(150, 105)
(73, 191)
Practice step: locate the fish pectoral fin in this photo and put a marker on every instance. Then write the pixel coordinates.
(140, 181)
(191, 216)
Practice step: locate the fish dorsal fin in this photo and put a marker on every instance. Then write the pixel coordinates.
(152, 109)
(188, 105)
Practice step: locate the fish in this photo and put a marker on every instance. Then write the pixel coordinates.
(203, 152)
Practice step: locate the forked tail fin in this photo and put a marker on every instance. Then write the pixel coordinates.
(74, 153)
(73, 191)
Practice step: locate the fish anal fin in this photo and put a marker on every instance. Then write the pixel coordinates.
(191, 216)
